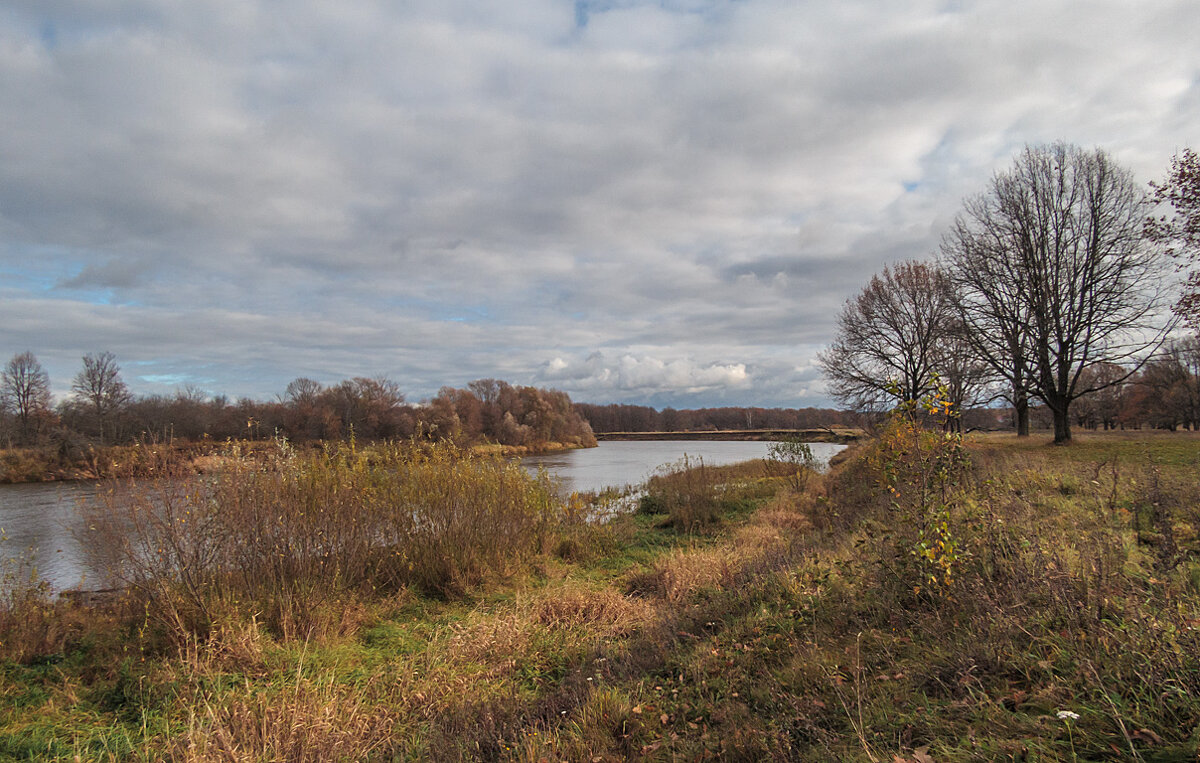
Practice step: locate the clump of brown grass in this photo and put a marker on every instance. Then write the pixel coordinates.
(312, 720)
(234, 644)
(681, 574)
(789, 515)
(25, 465)
(694, 495)
(687, 492)
(600, 609)
(33, 623)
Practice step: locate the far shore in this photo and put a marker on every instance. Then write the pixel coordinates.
(840, 436)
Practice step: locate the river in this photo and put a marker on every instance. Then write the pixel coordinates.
(616, 463)
(41, 527)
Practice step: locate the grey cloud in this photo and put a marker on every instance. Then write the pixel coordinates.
(642, 374)
(447, 190)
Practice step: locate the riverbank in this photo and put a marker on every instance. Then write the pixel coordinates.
(539, 449)
(71, 461)
(837, 436)
(761, 615)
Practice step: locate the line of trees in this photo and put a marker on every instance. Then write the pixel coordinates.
(1051, 287)
(102, 410)
(618, 417)
(1164, 394)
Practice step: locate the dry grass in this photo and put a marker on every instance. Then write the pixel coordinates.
(602, 610)
(683, 573)
(312, 721)
(782, 633)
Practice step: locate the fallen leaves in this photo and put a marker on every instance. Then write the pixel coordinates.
(919, 755)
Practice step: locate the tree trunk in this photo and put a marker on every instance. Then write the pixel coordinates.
(1022, 411)
(1062, 425)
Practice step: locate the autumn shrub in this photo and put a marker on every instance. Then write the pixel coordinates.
(791, 460)
(470, 517)
(26, 611)
(922, 466)
(287, 534)
(24, 465)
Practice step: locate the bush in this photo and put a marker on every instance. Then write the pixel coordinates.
(287, 532)
(652, 503)
(793, 460)
(26, 610)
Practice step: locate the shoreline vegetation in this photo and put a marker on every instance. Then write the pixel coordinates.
(110, 436)
(28, 465)
(929, 597)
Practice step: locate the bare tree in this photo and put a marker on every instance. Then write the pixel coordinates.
(305, 417)
(968, 380)
(1059, 239)
(887, 342)
(986, 286)
(1186, 396)
(100, 387)
(303, 392)
(25, 390)
(1102, 407)
(1173, 379)
(370, 408)
(1179, 233)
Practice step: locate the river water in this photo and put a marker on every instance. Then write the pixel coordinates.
(41, 525)
(41, 529)
(616, 463)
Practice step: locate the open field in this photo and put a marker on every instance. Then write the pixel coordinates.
(919, 602)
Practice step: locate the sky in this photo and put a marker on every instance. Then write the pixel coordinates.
(661, 203)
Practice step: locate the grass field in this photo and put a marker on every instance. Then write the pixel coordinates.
(1007, 601)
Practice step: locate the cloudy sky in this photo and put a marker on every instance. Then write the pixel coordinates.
(660, 202)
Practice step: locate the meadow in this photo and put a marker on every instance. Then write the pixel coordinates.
(930, 597)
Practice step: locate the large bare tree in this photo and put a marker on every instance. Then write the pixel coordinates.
(887, 345)
(99, 386)
(1052, 260)
(25, 390)
(1172, 379)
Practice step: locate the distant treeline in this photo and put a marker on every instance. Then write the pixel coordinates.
(640, 418)
(101, 410)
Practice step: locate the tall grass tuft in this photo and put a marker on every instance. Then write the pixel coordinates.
(686, 491)
(26, 622)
